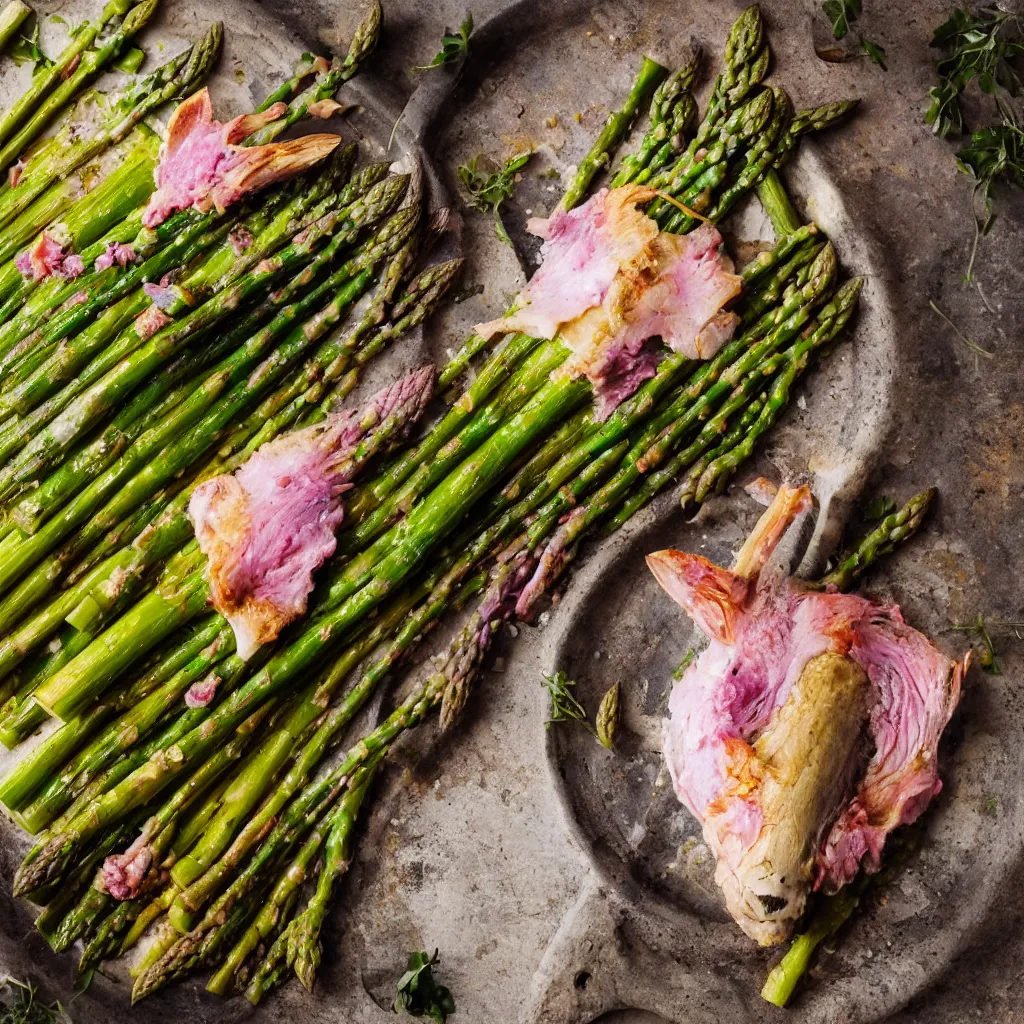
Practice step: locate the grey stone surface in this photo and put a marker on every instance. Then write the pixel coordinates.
(563, 883)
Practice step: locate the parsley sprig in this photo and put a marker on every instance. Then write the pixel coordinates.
(18, 1005)
(487, 192)
(841, 14)
(983, 45)
(453, 46)
(419, 993)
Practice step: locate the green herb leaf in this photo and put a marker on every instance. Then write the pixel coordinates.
(840, 13)
(564, 706)
(453, 45)
(875, 52)
(18, 1006)
(25, 50)
(880, 508)
(419, 994)
(984, 44)
(488, 192)
(992, 154)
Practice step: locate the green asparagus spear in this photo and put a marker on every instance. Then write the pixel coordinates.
(48, 78)
(174, 80)
(892, 530)
(334, 830)
(673, 110)
(11, 17)
(650, 76)
(327, 83)
(90, 64)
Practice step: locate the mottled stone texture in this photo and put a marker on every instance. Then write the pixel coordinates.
(563, 883)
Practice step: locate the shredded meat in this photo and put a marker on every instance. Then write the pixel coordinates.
(609, 282)
(201, 693)
(71, 266)
(115, 252)
(201, 164)
(266, 528)
(48, 256)
(122, 874)
(805, 732)
(150, 321)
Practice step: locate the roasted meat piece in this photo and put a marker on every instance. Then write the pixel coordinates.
(805, 732)
(609, 282)
(201, 164)
(49, 255)
(268, 526)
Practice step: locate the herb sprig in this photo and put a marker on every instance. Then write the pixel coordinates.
(18, 1005)
(985, 46)
(566, 708)
(841, 14)
(453, 46)
(992, 154)
(26, 50)
(487, 192)
(981, 631)
(419, 993)
(564, 705)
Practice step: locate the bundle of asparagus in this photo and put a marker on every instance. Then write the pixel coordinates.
(205, 817)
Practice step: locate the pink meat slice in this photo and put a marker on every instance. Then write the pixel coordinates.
(762, 634)
(267, 527)
(683, 306)
(584, 250)
(201, 164)
(43, 258)
(914, 705)
(116, 252)
(610, 282)
(619, 373)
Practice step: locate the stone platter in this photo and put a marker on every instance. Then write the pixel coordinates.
(563, 883)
